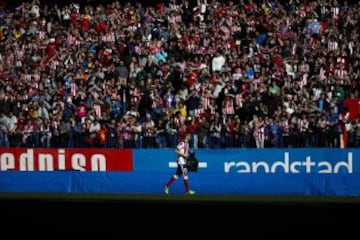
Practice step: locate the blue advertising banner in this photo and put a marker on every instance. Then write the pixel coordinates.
(202, 183)
(255, 161)
(321, 172)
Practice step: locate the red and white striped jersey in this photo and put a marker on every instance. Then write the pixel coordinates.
(182, 147)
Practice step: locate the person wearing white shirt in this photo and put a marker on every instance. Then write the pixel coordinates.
(11, 122)
(218, 62)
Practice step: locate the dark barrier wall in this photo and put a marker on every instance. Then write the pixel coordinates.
(327, 172)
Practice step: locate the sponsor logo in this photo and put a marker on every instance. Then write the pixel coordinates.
(291, 167)
(61, 159)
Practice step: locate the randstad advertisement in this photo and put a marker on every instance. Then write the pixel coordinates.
(255, 161)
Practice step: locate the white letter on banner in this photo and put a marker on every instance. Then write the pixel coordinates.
(78, 161)
(327, 165)
(256, 165)
(7, 162)
(308, 164)
(228, 165)
(98, 162)
(27, 160)
(348, 165)
(61, 159)
(46, 162)
(246, 166)
(284, 165)
(293, 166)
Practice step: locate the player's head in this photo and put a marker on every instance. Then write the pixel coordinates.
(187, 136)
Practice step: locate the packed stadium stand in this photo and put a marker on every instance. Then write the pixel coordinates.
(236, 74)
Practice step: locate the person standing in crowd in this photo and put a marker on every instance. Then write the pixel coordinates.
(182, 151)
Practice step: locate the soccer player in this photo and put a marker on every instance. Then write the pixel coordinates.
(182, 151)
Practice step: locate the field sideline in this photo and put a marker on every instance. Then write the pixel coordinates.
(92, 197)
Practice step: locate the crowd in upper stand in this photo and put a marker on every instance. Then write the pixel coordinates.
(236, 74)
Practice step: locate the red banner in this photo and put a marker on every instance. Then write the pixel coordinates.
(53, 159)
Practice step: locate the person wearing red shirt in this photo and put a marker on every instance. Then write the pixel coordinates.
(353, 104)
(101, 136)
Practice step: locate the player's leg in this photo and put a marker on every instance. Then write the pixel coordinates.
(173, 179)
(185, 174)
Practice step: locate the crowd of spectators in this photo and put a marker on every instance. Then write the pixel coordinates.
(243, 74)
